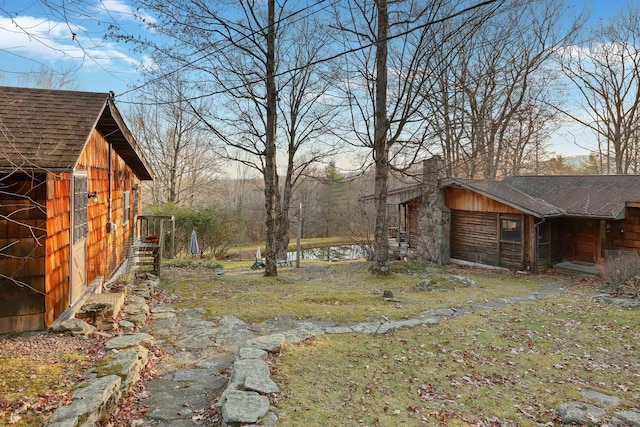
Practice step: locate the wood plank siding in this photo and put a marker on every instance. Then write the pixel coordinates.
(22, 251)
(478, 235)
(107, 245)
(58, 244)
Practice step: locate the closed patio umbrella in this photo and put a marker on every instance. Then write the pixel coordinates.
(194, 249)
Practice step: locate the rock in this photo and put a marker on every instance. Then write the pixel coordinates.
(162, 315)
(244, 407)
(580, 412)
(462, 281)
(137, 319)
(387, 294)
(128, 364)
(93, 403)
(260, 383)
(125, 325)
(299, 334)
(76, 326)
(628, 418)
(129, 340)
(251, 353)
(601, 398)
(268, 343)
(245, 367)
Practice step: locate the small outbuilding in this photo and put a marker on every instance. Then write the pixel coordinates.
(524, 222)
(70, 181)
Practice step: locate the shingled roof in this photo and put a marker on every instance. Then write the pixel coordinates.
(48, 129)
(588, 196)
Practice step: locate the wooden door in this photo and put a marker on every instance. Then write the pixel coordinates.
(78, 276)
(585, 240)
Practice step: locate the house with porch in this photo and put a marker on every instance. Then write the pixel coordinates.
(523, 223)
(70, 184)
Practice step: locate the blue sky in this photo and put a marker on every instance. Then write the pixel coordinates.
(34, 36)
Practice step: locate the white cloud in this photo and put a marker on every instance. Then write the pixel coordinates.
(120, 8)
(44, 40)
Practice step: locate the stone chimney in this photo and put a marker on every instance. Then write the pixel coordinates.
(434, 218)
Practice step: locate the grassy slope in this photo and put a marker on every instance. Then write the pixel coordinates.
(510, 366)
(340, 292)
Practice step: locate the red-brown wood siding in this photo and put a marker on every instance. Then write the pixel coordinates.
(22, 252)
(107, 248)
(58, 244)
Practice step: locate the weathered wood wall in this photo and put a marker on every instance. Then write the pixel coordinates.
(474, 236)
(466, 200)
(624, 235)
(475, 231)
(22, 251)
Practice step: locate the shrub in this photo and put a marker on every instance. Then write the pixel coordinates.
(621, 271)
(216, 228)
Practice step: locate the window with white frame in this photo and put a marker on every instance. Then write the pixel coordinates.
(126, 207)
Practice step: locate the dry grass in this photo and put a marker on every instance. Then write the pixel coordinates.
(340, 292)
(38, 371)
(510, 366)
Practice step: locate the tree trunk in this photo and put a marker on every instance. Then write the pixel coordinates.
(270, 170)
(380, 146)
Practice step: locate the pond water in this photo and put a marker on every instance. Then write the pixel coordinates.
(332, 253)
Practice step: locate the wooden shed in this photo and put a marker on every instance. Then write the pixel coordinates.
(70, 174)
(534, 222)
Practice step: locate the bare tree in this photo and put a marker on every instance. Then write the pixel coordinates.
(606, 72)
(175, 142)
(500, 85)
(387, 78)
(254, 61)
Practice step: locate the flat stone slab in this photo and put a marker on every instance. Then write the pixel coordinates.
(338, 330)
(601, 398)
(300, 334)
(244, 407)
(580, 412)
(129, 340)
(627, 418)
(176, 403)
(218, 363)
(243, 368)
(163, 315)
(92, 403)
(260, 383)
(268, 343)
(251, 353)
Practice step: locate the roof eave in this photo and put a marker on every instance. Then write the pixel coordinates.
(499, 199)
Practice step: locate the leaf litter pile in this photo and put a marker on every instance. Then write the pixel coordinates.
(38, 372)
(509, 366)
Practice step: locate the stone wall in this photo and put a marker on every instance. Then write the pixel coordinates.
(434, 218)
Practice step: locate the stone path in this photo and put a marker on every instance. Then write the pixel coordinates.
(200, 353)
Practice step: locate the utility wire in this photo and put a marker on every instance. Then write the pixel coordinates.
(312, 63)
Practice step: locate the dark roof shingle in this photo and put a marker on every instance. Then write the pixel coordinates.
(48, 129)
(594, 196)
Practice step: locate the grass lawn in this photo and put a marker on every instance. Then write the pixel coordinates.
(509, 366)
(340, 292)
(38, 371)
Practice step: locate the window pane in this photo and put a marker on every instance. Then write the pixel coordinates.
(510, 230)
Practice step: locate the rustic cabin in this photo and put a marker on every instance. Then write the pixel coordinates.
(70, 180)
(523, 223)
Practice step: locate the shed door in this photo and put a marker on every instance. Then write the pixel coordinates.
(78, 275)
(585, 240)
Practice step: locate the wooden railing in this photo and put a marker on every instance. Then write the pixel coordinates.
(160, 229)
